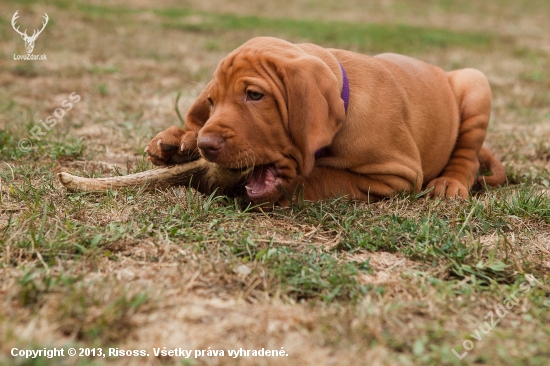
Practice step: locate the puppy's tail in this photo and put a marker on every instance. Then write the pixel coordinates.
(490, 163)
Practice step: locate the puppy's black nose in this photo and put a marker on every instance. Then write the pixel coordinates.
(210, 146)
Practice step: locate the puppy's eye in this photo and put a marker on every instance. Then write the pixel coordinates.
(211, 102)
(252, 95)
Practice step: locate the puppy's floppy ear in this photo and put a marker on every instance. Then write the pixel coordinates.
(315, 107)
(199, 112)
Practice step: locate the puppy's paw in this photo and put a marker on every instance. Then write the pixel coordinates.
(173, 146)
(446, 187)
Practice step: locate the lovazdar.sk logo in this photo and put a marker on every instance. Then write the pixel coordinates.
(29, 40)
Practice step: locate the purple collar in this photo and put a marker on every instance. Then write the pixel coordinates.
(345, 88)
(345, 98)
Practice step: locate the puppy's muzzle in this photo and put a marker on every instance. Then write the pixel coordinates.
(211, 146)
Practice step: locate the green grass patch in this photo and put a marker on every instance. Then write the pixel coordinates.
(362, 36)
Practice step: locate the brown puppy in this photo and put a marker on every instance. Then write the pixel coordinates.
(335, 122)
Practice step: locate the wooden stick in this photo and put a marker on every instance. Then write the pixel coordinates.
(199, 174)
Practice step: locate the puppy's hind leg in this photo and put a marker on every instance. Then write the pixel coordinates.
(473, 95)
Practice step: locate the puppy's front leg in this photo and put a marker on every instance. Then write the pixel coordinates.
(173, 146)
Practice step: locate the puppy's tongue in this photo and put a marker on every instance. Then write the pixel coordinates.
(262, 179)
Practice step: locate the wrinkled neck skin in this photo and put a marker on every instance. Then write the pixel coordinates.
(293, 186)
(294, 169)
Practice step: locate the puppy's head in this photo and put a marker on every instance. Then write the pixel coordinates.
(270, 106)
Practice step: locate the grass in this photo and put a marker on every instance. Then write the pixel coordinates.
(403, 281)
(362, 36)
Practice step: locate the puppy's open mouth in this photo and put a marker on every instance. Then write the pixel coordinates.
(263, 182)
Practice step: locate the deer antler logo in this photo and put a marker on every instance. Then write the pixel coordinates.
(29, 41)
